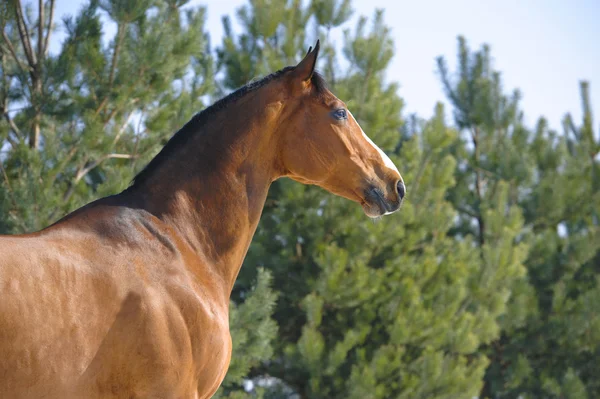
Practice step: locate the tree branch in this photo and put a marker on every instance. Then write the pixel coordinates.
(467, 212)
(35, 69)
(49, 30)
(12, 51)
(14, 143)
(113, 64)
(480, 221)
(51, 179)
(24, 34)
(40, 41)
(12, 124)
(113, 67)
(122, 129)
(82, 172)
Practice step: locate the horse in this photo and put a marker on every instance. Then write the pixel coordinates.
(128, 296)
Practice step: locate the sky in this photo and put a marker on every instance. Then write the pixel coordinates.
(542, 47)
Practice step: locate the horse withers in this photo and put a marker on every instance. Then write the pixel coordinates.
(127, 297)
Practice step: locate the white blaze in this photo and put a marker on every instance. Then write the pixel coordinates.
(386, 160)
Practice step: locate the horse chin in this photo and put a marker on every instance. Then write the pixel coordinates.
(373, 211)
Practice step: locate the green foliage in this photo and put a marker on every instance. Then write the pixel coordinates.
(101, 111)
(560, 340)
(550, 333)
(252, 331)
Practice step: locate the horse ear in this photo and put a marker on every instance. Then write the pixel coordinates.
(305, 68)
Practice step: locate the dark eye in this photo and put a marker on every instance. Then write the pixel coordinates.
(340, 114)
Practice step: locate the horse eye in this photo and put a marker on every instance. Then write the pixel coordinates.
(340, 114)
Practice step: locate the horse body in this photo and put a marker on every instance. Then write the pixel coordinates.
(128, 296)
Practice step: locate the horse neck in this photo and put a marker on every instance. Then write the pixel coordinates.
(213, 189)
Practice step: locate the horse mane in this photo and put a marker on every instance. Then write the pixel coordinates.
(181, 137)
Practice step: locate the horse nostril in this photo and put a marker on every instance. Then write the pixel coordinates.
(401, 189)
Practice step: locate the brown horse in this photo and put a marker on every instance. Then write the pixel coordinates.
(128, 296)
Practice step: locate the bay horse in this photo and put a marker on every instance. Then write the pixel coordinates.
(128, 296)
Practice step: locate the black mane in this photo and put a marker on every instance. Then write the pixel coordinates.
(181, 137)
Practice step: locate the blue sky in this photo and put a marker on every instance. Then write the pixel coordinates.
(542, 47)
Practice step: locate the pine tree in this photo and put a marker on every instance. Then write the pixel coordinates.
(491, 170)
(550, 331)
(392, 309)
(77, 125)
(554, 353)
